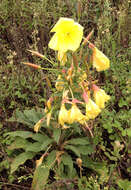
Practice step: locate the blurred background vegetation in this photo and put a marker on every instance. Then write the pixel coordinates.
(26, 24)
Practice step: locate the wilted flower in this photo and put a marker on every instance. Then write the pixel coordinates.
(100, 61)
(68, 35)
(100, 96)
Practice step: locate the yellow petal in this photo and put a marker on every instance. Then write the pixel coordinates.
(63, 115)
(92, 110)
(68, 35)
(101, 98)
(53, 44)
(100, 61)
(76, 115)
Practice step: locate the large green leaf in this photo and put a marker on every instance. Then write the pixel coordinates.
(51, 159)
(45, 143)
(34, 147)
(56, 134)
(23, 134)
(67, 160)
(79, 141)
(20, 159)
(19, 143)
(40, 177)
(41, 173)
(27, 134)
(73, 149)
(85, 150)
(28, 117)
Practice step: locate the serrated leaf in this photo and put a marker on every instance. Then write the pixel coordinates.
(79, 141)
(67, 160)
(40, 177)
(56, 134)
(73, 149)
(20, 159)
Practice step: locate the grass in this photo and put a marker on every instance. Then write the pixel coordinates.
(26, 25)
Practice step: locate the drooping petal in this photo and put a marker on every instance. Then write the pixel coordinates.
(101, 98)
(63, 115)
(100, 61)
(92, 110)
(76, 115)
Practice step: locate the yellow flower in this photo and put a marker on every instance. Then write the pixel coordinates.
(59, 84)
(92, 110)
(76, 115)
(100, 97)
(68, 35)
(100, 61)
(63, 115)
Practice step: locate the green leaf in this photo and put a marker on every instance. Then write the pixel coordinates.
(51, 159)
(46, 142)
(34, 147)
(20, 159)
(77, 141)
(85, 150)
(40, 177)
(56, 134)
(73, 149)
(67, 160)
(39, 137)
(28, 117)
(19, 143)
(128, 131)
(124, 184)
(23, 134)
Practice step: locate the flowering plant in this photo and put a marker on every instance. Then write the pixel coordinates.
(63, 129)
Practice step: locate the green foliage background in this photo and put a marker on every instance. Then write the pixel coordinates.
(26, 24)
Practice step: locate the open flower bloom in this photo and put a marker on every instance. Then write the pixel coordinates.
(92, 110)
(100, 61)
(68, 35)
(100, 96)
(63, 115)
(76, 115)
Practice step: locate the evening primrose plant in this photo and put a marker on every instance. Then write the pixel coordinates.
(62, 133)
